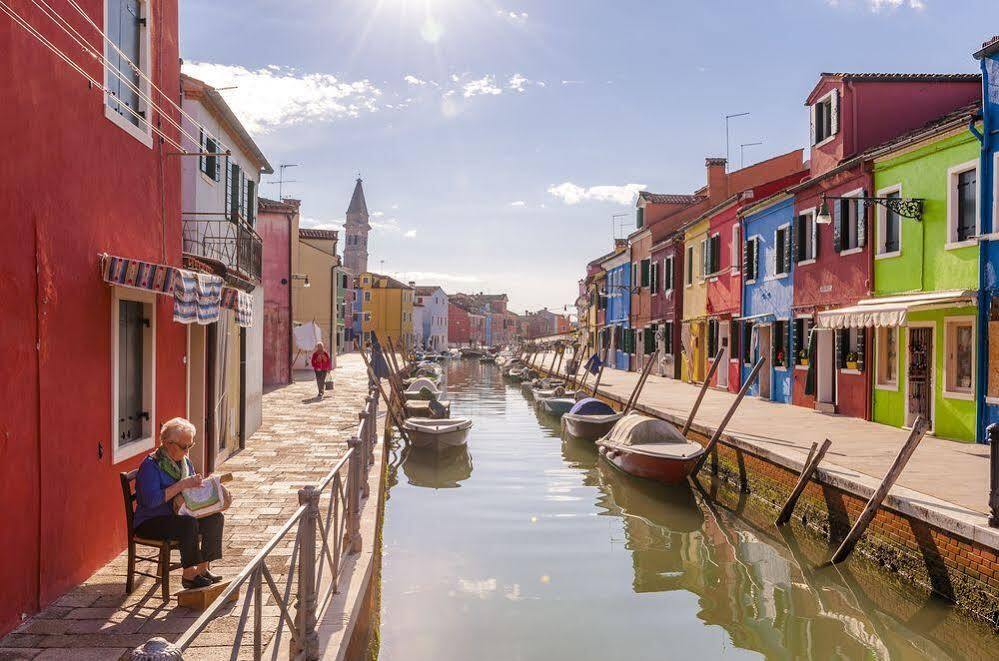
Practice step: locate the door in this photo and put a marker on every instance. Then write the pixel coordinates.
(763, 345)
(825, 372)
(723, 342)
(920, 375)
(196, 393)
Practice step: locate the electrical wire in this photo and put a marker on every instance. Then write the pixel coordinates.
(23, 23)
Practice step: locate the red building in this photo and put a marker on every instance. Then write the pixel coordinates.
(88, 370)
(833, 263)
(277, 225)
(458, 325)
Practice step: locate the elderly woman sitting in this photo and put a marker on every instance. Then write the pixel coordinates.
(161, 478)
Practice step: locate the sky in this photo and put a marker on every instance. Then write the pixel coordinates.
(502, 144)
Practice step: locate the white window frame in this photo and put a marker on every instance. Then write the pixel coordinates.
(717, 270)
(859, 192)
(963, 320)
(794, 358)
(880, 384)
(688, 272)
(145, 66)
(952, 174)
(880, 228)
(654, 284)
(735, 250)
(810, 212)
(832, 101)
(703, 261)
(779, 276)
(148, 441)
(756, 257)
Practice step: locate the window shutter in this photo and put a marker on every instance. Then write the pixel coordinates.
(834, 110)
(840, 348)
(228, 190)
(861, 221)
(788, 241)
(788, 353)
(234, 192)
(640, 218)
(811, 130)
(815, 236)
(251, 204)
(756, 257)
(773, 256)
(861, 348)
(837, 225)
(747, 266)
(217, 175)
(202, 160)
(645, 272)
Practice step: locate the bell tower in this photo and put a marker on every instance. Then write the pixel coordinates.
(356, 228)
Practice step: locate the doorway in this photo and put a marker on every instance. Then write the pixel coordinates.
(919, 375)
(763, 349)
(196, 392)
(723, 342)
(825, 370)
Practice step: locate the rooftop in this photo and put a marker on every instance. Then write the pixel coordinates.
(989, 48)
(904, 77)
(379, 281)
(308, 233)
(669, 198)
(287, 205)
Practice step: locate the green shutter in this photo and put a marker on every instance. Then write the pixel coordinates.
(640, 218)
(202, 160)
(645, 273)
(234, 192)
(251, 201)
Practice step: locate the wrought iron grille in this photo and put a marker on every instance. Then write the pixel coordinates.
(234, 244)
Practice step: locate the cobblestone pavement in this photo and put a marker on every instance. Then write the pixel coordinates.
(300, 440)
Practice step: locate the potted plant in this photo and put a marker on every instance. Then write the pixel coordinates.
(779, 359)
(803, 358)
(851, 360)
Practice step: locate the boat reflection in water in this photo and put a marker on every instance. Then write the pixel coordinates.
(425, 467)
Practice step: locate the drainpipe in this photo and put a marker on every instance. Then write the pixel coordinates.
(984, 298)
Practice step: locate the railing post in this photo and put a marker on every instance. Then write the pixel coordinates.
(354, 476)
(307, 645)
(372, 427)
(365, 418)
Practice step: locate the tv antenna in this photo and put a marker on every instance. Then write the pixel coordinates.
(281, 181)
(728, 117)
(617, 224)
(742, 152)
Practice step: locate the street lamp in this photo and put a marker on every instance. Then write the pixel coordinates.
(907, 207)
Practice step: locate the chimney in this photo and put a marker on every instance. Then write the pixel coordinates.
(412, 284)
(620, 243)
(717, 179)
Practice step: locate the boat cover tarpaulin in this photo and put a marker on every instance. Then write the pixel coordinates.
(889, 311)
(591, 406)
(638, 429)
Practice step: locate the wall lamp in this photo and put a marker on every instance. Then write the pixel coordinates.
(304, 278)
(907, 207)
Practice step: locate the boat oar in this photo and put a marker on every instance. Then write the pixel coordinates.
(397, 419)
(704, 389)
(561, 355)
(731, 411)
(633, 401)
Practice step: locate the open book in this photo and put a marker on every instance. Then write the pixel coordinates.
(205, 500)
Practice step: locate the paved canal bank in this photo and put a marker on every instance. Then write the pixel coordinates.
(528, 546)
(933, 528)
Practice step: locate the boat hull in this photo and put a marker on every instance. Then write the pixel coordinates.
(557, 406)
(668, 470)
(446, 438)
(590, 427)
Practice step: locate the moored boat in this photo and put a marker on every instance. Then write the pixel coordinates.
(557, 406)
(421, 408)
(487, 358)
(469, 352)
(650, 448)
(590, 419)
(422, 388)
(437, 434)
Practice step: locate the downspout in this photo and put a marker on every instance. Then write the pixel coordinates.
(869, 347)
(291, 315)
(985, 232)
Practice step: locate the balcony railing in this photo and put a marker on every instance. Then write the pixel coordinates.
(234, 244)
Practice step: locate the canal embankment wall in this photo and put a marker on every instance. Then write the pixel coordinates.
(937, 541)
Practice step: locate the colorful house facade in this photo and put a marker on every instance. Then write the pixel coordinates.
(387, 309)
(697, 264)
(618, 334)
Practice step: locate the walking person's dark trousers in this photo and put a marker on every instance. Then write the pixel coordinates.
(186, 529)
(321, 380)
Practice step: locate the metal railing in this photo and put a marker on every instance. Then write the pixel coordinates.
(235, 244)
(326, 527)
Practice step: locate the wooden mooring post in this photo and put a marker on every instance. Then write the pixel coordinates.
(640, 384)
(919, 429)
(704, 389)
(600, 374)
(815, 455)
(731, 411)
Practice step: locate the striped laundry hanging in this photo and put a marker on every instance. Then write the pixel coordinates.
(138, 275)
(241, 303)
(197, 297)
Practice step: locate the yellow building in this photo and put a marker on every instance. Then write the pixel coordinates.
(386, 309)
(318, 266)
(696, 258)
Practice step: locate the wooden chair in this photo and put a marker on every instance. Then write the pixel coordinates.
(164, 547)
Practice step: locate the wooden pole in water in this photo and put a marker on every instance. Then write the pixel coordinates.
(600, 374)
(704, 389)
(815, 455)
(561, 355)
(633, 400)
(397, 419)
(919, 429)
(394, 378)
(551, 368)
(731, 411)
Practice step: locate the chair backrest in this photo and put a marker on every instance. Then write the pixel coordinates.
(128, 493)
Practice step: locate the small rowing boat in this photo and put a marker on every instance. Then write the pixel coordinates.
(651, 448)
(557, 406)
(590, 419)
(422, 408)
(422, 388)
(437, 434)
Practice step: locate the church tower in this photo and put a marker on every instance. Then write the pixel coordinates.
(355, 250)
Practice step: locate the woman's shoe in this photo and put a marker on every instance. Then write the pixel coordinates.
(214, 578)
(199, 581)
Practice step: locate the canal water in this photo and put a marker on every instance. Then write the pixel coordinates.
(527, 546)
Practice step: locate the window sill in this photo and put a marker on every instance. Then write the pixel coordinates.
(133, 449)
(956, 394)
(801, 368)
(825, 141)
(890, 387)
(888, 255)
(992, 400)
(208, 180)
(805, 262)
(750, 282)
(851, 251)
(778, 276)
(957, 245)
(779, 368)
(849, 371)
(145, 137)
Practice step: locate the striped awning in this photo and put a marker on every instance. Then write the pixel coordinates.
(890, 310)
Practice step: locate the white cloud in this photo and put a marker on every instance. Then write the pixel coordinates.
(432, 30)
(275, 96)
(513, 16)
(572, 82)
(435, 276)
(878, 6)
(390, 226)
(518, 203)
(484, 85)
(308, 222)
(413, 80)
(410, 234)
(570, 193)
(377, 214)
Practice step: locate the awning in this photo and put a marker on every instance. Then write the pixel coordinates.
(890, 310)
(197, 297)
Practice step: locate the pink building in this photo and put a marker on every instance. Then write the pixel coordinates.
(277, 225)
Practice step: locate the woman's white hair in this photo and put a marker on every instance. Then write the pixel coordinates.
(320, 345)
(175, 428)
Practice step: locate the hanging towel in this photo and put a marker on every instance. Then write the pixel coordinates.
(239, 302)
(197, 298)
(133, 273)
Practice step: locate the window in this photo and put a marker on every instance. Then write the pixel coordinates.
(960, 355)
(849, 229)
(133, 373)
(780, 344)
(689, 266)
(640, 217)
(210, 162)
(850, 352)
(747, 342)
(712, 338)
(734, 249)
(782, 250)
(634, 274)
(825, 117)
(712, 254)
(802, 336)
(649, 339)
(887, 347)
(367, 297)
(805, 237)
(750, 258)
(705, 258)
(962, 203)
(668, 274)
(668, 338)
(367, 316)
(645, 272)
(127, 48)
(654, 277)
(891, 230)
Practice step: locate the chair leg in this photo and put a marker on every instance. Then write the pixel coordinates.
(130, 576)
(165, 570)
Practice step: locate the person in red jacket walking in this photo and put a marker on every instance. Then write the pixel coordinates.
(322, 364)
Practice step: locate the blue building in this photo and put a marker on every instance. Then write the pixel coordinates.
(987, 384)
(767, 297)
(619, 336)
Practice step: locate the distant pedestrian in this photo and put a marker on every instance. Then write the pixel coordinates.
(322, 364)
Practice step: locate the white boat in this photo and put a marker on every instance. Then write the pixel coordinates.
(590, 419)
(437, 434)
(419, 388)
(420, 408)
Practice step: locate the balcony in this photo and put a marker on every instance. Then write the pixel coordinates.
(234, 244)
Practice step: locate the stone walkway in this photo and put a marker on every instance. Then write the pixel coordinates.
(300, 440)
